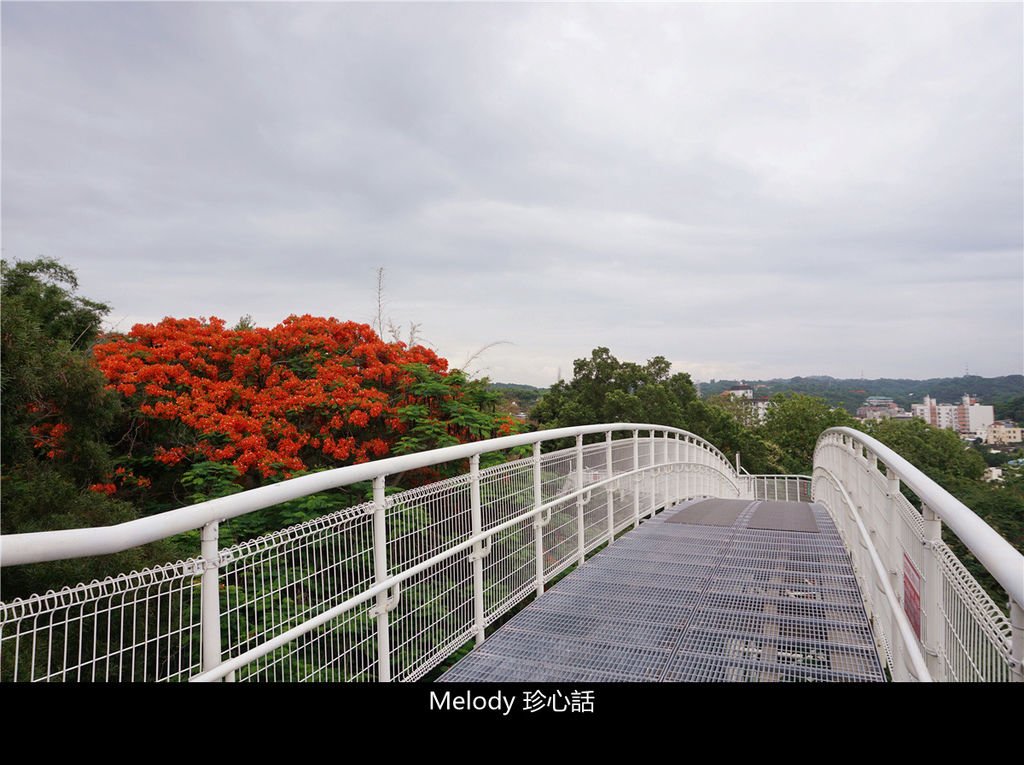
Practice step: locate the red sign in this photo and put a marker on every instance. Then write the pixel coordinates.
(912, 594)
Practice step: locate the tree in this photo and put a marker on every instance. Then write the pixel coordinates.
(309, 394)
(794, 422)
(603, 389)
(937, 452)
(55, 409)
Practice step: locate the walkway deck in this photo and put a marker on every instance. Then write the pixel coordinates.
(712, 590)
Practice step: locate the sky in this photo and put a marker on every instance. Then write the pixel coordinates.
(749, 190)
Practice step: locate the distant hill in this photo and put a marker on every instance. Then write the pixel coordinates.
(524, 395)
(850, 394)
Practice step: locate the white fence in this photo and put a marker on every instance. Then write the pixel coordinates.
(778, 488)
(933, 620)
(385, 590)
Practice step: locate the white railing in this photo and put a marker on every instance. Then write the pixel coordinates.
(933, 620)
(385, 590)
(778, 488)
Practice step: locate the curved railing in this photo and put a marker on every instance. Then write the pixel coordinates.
(933, 619)
(385, 590)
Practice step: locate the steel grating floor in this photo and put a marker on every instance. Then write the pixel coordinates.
(686, 598)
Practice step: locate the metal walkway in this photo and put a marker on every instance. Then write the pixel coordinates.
(709, 590)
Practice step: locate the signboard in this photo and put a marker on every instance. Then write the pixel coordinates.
(912, 594)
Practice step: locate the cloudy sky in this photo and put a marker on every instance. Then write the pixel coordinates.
(748, 190)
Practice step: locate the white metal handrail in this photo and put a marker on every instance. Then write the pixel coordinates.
(388, 588)
(364, 572)
(483, 537)
(776, 487)
(898, 552)
(37, 547)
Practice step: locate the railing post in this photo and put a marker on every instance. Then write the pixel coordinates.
(1017, 640)
(636, 479)
(538, 526)
(892, 513)
(934, 627)
(210, 594)
(609, 491)
(691, 473)
(677, 469)
(478, 561)
(665, 461)
(380, 574)
(580, 540)
(705, 476)
(654, 478)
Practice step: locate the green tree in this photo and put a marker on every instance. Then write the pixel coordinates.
(794, 422)
(937, 452)
(55, 410)
(721, 427)
(604, 389)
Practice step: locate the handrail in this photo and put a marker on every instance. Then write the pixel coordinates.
(917, 662)
(237, 662)
(996, 554)
(37, 547)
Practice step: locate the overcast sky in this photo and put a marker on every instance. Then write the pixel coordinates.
(748, 190)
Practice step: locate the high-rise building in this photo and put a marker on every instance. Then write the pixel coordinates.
(968, 418)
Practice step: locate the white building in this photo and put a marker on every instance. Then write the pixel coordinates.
(968, 418)
(739, 391)
(993, 474)
(755, 407)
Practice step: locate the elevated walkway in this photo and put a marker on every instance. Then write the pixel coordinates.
(708, 590)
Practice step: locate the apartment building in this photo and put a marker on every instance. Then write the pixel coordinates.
(968, 418)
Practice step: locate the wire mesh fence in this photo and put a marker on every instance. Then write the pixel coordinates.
(921, 598)
(151, 625)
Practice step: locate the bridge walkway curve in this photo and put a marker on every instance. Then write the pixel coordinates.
(709, 590)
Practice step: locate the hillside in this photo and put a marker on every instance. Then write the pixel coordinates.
(851, 393)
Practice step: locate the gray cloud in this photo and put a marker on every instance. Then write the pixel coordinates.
(749, 190)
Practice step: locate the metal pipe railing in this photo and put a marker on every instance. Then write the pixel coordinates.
(930, 603)
(37, 547)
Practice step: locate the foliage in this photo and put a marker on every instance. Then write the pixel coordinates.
(603, 389)
(722, 428)
(525, 396)
(937, 452)
(794, 422)
(53, 400)
(307, 394)
(1009, 408)
(56, 466)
